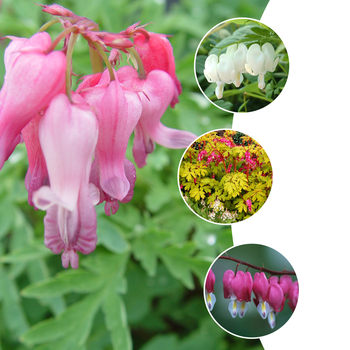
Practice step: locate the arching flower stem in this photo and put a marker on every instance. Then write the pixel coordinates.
(60, 37)
(260, 269)
(48, 24)
(104, 58)
(141, 70)
(72, 40)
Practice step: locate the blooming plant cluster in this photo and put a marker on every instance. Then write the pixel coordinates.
(225, 176)
(76, 141)
(229, 67)
(270, 295)
(243, 66)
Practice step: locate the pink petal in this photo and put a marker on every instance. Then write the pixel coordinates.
(32, 80)
(118, 113)
(156, 53)
(37, 175)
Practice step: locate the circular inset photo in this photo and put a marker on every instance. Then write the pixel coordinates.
(251, 290)
(225, 176)
(241, 65)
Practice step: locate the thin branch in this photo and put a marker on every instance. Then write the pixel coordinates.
(261, 269)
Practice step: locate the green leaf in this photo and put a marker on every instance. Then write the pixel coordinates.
(12, 311)
(35, 250)
(7, 217)
(110, 237)
(105, 263)
(78, 281)
(116, 321)
(179, 262)
(74, 323)
(168, 342)
(146, 249)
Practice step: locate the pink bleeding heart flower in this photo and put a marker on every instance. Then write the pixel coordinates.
(209, 290)
(285, 282)
(261, 290)
(249, 204)
(238, 288)
(155, 93)
(156, 52)
(293, 295)
(276, 300)
(32, 79)
(118, 112)
(37, 175)
(68, 135)
(201, 155)
(275, 296)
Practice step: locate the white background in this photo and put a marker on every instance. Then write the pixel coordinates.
(305, 133)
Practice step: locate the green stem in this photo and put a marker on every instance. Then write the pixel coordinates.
(96, 61)
(142, 73)
(258, 96)
(48, 24)
(281, 66)
(72, 40)
(105, 59)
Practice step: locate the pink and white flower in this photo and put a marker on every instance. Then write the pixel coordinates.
(68, 135)
(209, 290)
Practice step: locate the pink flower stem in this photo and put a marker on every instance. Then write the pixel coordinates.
(261, 269)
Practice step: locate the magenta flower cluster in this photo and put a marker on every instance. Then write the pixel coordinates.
(76, 141)
(270, 294)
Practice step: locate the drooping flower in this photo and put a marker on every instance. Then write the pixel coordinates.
(239, 59)
(68, 135)
(118, 112)
(260, 61)
(238, 288)
(209, 290)
(156, 52)
(212, 75)
(155, 93)
(276, 300)
(225, 68)
(269, 296)
(32, 79)
(293, 295)
(249, 204)
(261, 289)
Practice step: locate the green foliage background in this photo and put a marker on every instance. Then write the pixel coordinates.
(142, 287)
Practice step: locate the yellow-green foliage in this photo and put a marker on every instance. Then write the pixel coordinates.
(232, 168)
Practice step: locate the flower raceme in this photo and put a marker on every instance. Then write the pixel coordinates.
(76, 141)
(270, 294)
(229, 67)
